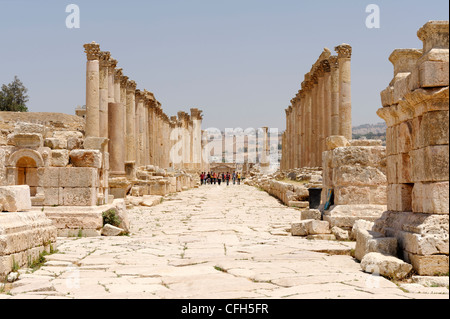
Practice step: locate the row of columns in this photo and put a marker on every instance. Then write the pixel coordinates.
(138, 130)
(322, 108)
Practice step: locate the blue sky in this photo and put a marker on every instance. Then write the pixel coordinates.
(241, 62)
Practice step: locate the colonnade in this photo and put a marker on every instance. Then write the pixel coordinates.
(133, 121)
(322, 108)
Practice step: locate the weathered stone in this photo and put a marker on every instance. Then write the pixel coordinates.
(336, 141)
(79, 177)
(15, 198)
(78, 196)
(311, 214)
(86, 158)
(386, 266)
(55, 143)
(340, 234)
(298, 204)
(371, 241)
(109, 230)
(27, 140)
(60, 158)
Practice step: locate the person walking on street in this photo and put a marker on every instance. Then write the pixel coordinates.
(219, 178)
(234, 178)
(228, 178)
(239, 178)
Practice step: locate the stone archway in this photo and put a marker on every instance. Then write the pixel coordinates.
(25, 164)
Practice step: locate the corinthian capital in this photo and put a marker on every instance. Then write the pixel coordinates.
(333, 61)
(344, 51)
(104, 57)
(92, 50)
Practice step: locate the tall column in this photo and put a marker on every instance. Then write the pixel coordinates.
(334, 81)
(123, 101)
(308, 121)
(327, 101)
(116, 114)
(140, 156)
(345, 99)
(320, 113)
(314, 118)
(92, 128)
(302, 126)
(286, 141)
(197, 138)
(105, 57)
(130, 128)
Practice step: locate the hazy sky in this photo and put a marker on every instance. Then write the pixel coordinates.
(241, 62)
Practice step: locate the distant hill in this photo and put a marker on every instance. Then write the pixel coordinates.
(370, 131)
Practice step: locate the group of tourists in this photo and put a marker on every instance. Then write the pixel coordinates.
(219, 178)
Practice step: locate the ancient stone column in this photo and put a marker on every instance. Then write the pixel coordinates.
(320, 113)
(130, 127)
(302, 126)
(197, 137)
(314, 119)
(140, 155)
(334, 90)
(345, 99)
(123, 100)
(92, 128)
(327, 101)
(116, 114)
(105, 57)
(308, 121)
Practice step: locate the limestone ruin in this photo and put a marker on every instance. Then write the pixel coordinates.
(60, 173)
(67, 170)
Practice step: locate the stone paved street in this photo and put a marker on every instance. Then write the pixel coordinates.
(212, 243)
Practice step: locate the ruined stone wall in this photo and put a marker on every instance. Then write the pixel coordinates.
(355, 171)
(415, 108)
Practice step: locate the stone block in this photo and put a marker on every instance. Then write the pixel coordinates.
(430, 164)
(15, 198)
(80, 196)
(358, 155)
(355, 195)
(387, 96)
(48, 176)
(431, 198)
(434, 74)
(299, 229)
(404, 137)
(345, 216)
(340, 233)
(386, 266)
(26, 140)
(309, 214)
(358, 176)
(25, 127)
(432, 129)
(86, 158)
(55, 143)
(60, 158)
(109, 230)
(298, 204)
(79, 177)
(368, 241)
(429, 265)
(95, 143)
(52, 196)
(336, 141)
(315, 227)
(74, 143)
(399, 197)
